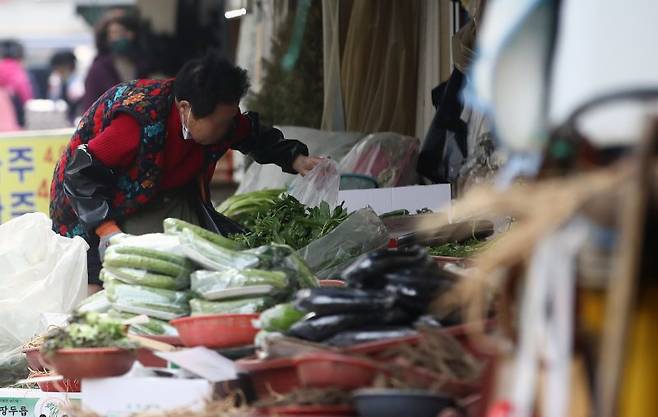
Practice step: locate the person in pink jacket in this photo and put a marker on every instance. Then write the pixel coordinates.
(13, 77)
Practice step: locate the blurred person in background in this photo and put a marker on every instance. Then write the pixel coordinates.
(14, 79)
(64, 83)
(118, 56)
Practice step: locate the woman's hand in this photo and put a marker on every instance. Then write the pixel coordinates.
(305, 164)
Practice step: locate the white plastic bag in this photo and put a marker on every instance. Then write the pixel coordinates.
(40, 272)
(387, 157)
(321, 184)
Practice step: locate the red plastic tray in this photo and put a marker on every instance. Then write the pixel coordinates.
(217, 330)
(273, 375)
(324, 370)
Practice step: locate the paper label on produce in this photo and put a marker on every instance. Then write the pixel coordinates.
(203, 362)
(126, 396)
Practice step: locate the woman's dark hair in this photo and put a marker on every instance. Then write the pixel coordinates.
(63, 58)
(11, 49)
(209, 81)
(116, 16)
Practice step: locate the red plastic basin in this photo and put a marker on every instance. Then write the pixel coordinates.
(217, 330)
(90, 362)
(149, 359)
(270, 376)
(324, 370)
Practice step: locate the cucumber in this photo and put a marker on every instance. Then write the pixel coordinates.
(154, 302)
(207, 283)
(177, 226)
(280, 318)
(240, 306)
(124, 249)
(154, 327)
(212, 256)
(146, 278)
(120, 260)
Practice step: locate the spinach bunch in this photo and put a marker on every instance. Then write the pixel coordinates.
(291, 223)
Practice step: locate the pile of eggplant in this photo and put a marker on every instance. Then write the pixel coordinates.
(387, 291)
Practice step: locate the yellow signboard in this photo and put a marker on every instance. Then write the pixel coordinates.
(27, 161)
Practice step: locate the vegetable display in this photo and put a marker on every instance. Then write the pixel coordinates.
(154, 302)
(88, 330)
(243, 207)
(388, 290)
(289, 222)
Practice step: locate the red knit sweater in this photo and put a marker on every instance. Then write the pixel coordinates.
(117, 146)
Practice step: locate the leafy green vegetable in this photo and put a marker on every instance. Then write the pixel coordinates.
(458, 250)
(243, 206)
(88, 330)
(289, 222)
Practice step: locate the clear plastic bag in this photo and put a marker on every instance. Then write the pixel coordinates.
(145, 278)
(40, 272)
(95, 303)
(388, 157)
(201, 307)
(218, 285)
(153, 327)
(321, 184)
(154, 302)
(362, 232)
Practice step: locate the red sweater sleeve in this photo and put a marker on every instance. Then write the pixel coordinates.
(117, 145)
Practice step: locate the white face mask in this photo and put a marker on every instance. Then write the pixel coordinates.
(185, 129)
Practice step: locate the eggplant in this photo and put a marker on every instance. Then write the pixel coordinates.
(367, 271)
(355, 337)
(333, 301)
(321, 328)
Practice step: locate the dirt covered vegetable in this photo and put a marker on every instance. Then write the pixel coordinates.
(289, 222)
(88, 330)
(154, 302)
